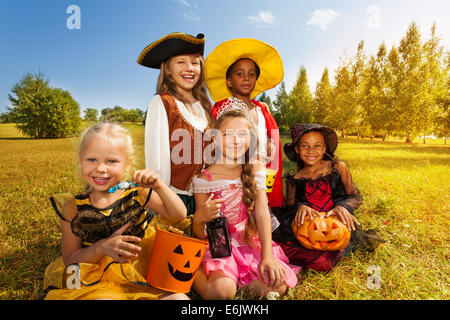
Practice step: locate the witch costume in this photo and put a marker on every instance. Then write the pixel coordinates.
(333, 188)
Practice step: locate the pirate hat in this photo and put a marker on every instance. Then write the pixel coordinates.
(171, 45)
(222, 57)
(299, 129)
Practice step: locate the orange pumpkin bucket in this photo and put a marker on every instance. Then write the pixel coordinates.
(174, 261)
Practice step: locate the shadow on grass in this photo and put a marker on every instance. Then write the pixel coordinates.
(23, 270)
(18, 138)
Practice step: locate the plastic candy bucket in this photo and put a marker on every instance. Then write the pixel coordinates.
(174, 261)
(270, 179)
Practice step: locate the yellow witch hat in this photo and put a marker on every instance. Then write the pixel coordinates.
(224, 55)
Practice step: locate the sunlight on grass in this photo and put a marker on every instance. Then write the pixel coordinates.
(406, 199)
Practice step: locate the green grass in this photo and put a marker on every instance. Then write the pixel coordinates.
(406, 199)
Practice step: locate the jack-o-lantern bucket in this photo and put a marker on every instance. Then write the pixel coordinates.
(270, 179)
(174, 261)
(322, 233)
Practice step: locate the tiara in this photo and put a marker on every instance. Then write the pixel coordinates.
(232, 104)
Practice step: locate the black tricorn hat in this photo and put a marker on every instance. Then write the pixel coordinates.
(171, 45)
(299, 129)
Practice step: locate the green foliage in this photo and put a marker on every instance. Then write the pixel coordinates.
(119, 114)
(280, 108)
(41, 111)
(90, 114)
(322, 104)
(402, 92)
(266, 99)
(300, 100)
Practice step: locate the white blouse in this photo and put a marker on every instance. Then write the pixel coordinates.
(157, 147)
(262, 134)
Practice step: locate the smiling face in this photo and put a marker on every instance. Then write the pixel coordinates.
(103, 162)
(311, 148)
(242, 78)
(234, 139)
(184, 70)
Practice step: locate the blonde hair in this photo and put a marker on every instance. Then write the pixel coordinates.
(108, 130)
(168, 86)
(248, 171)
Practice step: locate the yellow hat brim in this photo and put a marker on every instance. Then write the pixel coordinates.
(224, 55)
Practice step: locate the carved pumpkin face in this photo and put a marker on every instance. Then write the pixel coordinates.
(184, 261)
(322, 234)
(174, 261)
(270, 179)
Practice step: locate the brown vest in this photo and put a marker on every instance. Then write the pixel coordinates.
(182, 174)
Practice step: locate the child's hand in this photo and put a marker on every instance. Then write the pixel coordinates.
(305, 211)
(272, 273)
(118, 247)
(147, 178)
(346, 217)
(209, 210)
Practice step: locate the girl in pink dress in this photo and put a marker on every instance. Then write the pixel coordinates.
(255, 262)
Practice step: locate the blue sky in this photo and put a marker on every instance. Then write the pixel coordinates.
(97, 63)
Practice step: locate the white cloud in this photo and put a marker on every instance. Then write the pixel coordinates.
(322, 18)
(183, 2)
(263, 19)
(191, 16)
(373, 21)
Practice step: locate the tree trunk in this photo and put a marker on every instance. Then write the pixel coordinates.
(408, 136)
(424, 130)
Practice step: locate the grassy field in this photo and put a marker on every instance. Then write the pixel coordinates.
(406, 194)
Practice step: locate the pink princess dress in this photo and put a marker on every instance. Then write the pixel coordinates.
(243, 264)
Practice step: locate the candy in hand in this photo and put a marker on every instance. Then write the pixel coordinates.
(122, 185)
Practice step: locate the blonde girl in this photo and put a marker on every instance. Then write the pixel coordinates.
(107, 229)
(179, 113)
(256, 262)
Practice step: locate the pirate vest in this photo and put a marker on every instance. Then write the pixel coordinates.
(184, 167)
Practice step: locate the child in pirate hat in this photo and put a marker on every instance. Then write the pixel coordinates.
(180, 103)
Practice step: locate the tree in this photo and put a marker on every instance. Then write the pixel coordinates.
(90, 114)
(41, 111)
(119, 114)
(433, 75)
(376, 100)
(356, 87)
(442, 120)
(280, 108)
(323, 99)
(133, 115)
(266, 99)
(5, 117)
(300, 100)
(409, 101)
(342, 115)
